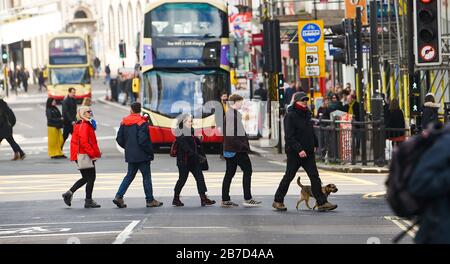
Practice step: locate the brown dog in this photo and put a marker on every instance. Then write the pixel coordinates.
(306, 193)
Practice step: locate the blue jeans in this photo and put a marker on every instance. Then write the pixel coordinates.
(133, 168)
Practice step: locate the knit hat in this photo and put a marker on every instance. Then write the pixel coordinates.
(300, 96)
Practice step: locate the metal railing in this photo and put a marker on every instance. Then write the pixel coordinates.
(345, 142)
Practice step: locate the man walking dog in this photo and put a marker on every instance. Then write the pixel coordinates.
(300, 147)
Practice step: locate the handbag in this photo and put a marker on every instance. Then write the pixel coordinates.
(83, 160)
(204, 166)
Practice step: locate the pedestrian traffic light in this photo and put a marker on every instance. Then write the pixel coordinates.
(281, 80)
(272, 46)
(427, 30)
(4, 54)
(122, 50)
(281, 97)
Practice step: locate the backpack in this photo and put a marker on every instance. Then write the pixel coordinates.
(404, 161)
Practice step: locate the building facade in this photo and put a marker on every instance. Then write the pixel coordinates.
(27, 25)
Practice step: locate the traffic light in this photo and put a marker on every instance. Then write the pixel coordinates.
(122, 50)
(272, 46)
(280, 80)
(4, 54)
(427, 30)
(344, 41)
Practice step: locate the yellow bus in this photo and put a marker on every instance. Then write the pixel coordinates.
(185, 62)
(69, 65)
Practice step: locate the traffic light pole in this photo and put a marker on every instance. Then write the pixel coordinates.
(360, 87)
(414, 97)
(376, 75)
(6, 81)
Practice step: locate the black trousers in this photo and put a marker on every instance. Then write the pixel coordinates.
(88, 178)
(294, 162)
(16, 148)
(67, 130)
(243, 161)
(183, 176)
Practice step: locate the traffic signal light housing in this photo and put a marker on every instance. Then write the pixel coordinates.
(272, 46)
(4, 54)
(122, 50)
(427, 31)
(345, 41)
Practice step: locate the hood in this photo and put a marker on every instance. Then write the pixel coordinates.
(432, 105)
(133, 119)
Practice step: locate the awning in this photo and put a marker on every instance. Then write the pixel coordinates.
(32, 27)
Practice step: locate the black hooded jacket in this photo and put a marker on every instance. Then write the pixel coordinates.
(7, 120)
(299, 131)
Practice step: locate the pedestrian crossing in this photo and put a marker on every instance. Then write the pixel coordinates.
(55, 183)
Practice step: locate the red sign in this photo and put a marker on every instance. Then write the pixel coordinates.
(258, 39)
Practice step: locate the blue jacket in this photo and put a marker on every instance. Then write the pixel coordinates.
(431, 181)
(134, 137)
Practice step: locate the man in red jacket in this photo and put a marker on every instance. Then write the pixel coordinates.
(134, 137)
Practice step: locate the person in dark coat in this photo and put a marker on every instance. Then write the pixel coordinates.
(54, 126)
(41, 80)
(261, 92)
(69, 112)
(352, 107)
(236, 148)
(431, 182)
(323, 112)
(430, 111)
(396, 123)
(190, 158)
(335, 104)
(7, 122)
(301, 143)
(134, 137)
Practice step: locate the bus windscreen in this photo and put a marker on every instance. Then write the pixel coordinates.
(68, 51)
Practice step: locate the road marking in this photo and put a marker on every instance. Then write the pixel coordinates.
(23, 124)
(397, 222)
(187, 227)
(125, 234)
(374, 195)
(66, 223)
(354, 179)
(66, 234)
(23, 109)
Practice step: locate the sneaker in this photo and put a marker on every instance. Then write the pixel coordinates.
(327, 207)
(251, 203)
(154, 203)
(89, 203)
(229, 204)
(119, 202)
(22, 156)
(68, 198)
(279, 206)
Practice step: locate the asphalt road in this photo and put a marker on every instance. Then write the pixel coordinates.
(32, 211)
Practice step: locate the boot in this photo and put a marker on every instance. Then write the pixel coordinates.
(177, 202)
(68, 198)
(205, 201)
(327, 207)
(16, 156)
(89, 203)
(119, 202)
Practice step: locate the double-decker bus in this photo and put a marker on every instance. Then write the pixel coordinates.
(69, 65)
(185, 63)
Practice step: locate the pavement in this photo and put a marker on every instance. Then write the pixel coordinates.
(32, 210)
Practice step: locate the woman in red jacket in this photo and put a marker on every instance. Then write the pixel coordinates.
(84, 141)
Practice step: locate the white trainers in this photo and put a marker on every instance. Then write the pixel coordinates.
(252, 203)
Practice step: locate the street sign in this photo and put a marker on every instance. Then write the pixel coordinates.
(312, 49)
(350, 10)
(428, 53)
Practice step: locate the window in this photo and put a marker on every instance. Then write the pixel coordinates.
(186, 20)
